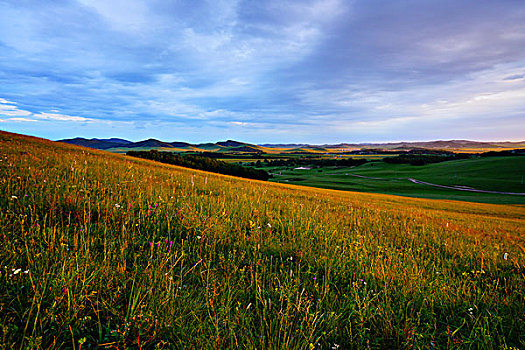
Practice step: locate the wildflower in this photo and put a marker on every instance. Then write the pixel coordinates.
(14, 197)
(269, 225)
(199, 237)
(505, 256)
(117, 205)
(26, 271)
(151, 245)
(17, 271)
(169, 249)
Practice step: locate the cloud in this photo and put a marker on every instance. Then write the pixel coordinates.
(22, 120)
(263, 69)
(240, 123)
(60, 117)
(8, 108)
(122, 15)
(515, 77)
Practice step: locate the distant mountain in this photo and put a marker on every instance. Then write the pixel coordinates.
(440, 144)
(181, 144)
(150, 143)
(244, 149)
(98, 143)
(284, 145)
(231, 146)
(231, 143)
(116, 140)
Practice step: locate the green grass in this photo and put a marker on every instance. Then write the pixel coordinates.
(105, 251)
(502, 174)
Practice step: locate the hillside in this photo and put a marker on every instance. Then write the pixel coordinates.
(466, 177)
(101, 250)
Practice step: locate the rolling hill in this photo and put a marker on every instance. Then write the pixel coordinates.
(121, 145)
(101, 250)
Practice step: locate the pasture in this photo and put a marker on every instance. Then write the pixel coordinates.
(101, 250)
(499, 174)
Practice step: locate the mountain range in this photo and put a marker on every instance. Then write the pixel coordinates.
(231, 146)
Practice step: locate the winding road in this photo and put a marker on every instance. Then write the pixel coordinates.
(419, 182)
(462, 188)
(457, 187)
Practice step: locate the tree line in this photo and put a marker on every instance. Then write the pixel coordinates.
(422, 159)
(201, 163)
(311, 162)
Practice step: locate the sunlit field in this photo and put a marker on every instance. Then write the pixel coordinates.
(101, 250)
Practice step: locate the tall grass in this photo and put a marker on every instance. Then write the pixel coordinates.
(105, 251)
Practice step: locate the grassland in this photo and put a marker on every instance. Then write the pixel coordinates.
(101, 250)
(504, 174)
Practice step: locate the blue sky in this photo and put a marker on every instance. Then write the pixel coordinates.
(273, 71)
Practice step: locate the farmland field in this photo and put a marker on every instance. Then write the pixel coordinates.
(101, 250)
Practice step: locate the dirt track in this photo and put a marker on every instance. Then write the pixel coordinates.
(458, 188)
(462, 188)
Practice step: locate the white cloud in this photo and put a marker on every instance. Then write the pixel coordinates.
(9, 109)
(23, 120)
(240, 123)
(60, 117)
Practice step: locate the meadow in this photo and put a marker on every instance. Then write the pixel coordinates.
(503, 174)
(105, 251)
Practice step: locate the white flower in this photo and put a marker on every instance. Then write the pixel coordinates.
(117, 205)
(269, 225)
(505, 256)
(17, 271)
(199, 237)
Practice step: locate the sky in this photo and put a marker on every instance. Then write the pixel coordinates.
(266, 71)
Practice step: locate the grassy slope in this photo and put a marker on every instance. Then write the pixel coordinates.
(251, 264)
(495, 174)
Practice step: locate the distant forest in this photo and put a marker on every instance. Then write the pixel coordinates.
(443, 156)
(423, 159)
(202, 163)
(312, 162)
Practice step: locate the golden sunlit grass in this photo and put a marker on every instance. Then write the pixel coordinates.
(102, 250)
